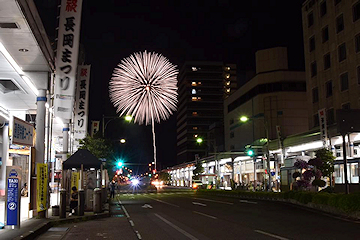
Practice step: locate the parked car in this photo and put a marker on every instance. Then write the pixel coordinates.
(197, 184)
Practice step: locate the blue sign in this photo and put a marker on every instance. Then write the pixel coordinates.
(12, 201)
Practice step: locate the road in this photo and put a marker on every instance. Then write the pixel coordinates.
(186, 215)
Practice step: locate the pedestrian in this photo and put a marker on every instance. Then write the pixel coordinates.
(112, 189)
(73, 200)
(24, 190)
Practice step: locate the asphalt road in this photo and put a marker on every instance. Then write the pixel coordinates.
(186, 215)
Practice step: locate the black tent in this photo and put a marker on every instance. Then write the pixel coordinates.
(82, 156)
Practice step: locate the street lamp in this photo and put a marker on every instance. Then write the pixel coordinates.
(199, 140)
(244, 119)
(127, 118)
(123, 140)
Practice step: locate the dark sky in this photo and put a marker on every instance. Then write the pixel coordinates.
(211, 30)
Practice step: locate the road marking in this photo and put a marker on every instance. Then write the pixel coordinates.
(200, 204)
(147, 206)
(131, 223)
(138, 235)
(177, 228)
(271, 235)
(205, 215)
(204, 199)
(163, 202)
(123, 208)
(246, 201)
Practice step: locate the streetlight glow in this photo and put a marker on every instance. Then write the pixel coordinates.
(122, 140)
(199, 140)
(244, 118)
(128, 118)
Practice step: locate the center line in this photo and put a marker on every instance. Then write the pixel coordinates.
(177, 228)
(210, 200)
(271, 235)
(205, 215)
(246, 201)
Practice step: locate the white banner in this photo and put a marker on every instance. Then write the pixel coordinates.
(67, 57)
(22, 133)
(323, 126)
(81, 103)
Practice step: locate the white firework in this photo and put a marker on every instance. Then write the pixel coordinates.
(144, 85)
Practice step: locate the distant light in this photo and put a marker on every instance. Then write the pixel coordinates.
(92, 169)
(199, 140)
(244, 118)
(122, 140)
(120, 164)
(135, 182)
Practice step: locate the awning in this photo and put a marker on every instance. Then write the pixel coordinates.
(82, 156)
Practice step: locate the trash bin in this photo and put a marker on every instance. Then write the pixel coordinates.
(55, 210)
(97, 201)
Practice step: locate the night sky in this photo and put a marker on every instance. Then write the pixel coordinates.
(212, 30)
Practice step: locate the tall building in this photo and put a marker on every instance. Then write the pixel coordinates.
(332, 46)
(276, 96)
(203, 86)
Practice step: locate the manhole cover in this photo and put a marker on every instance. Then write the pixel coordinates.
(58, 229)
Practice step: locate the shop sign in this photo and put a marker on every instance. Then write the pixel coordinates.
(75, 177)
(22, 133)
(13, 179)
(42, 183)
(323, 126)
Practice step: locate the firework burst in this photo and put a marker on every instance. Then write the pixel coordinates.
(144, 86)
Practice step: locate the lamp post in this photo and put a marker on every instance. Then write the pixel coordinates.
(266, 127)
(127, 118)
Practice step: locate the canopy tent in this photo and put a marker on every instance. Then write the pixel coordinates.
(82, 156)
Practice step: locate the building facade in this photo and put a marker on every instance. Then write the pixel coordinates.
(276, 96)
(202, 87)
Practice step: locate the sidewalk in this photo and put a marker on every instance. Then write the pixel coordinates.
(34, 227)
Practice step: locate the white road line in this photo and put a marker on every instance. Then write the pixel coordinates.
(271, 235)
(123, 208)
(131, 223)
(200, 204)
(205, 215)
(138, 235)
(246, 201)
(209, 200)
(177, 228)
(163, 202)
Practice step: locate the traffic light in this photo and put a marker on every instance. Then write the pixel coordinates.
(119, 163)
(250, 152)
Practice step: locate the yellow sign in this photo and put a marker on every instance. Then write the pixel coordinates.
(42, 185)
(75, 177)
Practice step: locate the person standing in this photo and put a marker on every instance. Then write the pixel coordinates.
(112, 189)
(73, 200)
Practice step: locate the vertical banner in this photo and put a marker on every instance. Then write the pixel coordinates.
(94, 127)
(75, 177)
(323, 126)
(67, 57)
(81, 103)
(13, 181)
(42, 185)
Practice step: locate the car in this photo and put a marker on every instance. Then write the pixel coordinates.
(196, 184)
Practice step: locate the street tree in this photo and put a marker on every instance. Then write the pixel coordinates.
(198, 170)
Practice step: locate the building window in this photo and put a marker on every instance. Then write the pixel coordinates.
(342, 52)
(339, 23)
(312, 44)
(228, 83)
(357, 43)
(310, 19)
(336, 2)
(199, 98)
(193, 98)
(358, 73)
(315, 95)
(193, 91)
(316, 120)
(323, 8)
(194, 113)
(199, 83)
(193, 84)
(327, 62)
(231, 121)
(356, 11)
(194, 69)
(313, 69)
(195, 128)
(345, 106)
(325, 34)
(232, 134)
(330, 116)
(329, 88)
(344, 81)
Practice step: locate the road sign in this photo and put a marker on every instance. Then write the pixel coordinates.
(13, 179)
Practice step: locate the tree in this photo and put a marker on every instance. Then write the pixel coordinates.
(165, 177)
(327, 159)
(198, 170)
